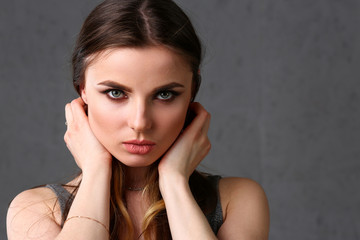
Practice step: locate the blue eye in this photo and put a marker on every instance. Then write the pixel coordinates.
(116, 93)
(166, 95)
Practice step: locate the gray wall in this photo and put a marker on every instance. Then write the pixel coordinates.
(280, 79)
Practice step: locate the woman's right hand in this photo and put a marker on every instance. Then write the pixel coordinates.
(88, 152)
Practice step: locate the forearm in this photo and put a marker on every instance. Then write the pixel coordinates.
(186, 219)
(92, 202)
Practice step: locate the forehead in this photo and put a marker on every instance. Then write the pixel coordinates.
(149, 60)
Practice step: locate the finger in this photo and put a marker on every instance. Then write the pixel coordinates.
(201, 121)
(78, 109)
(204, 115)
(206, 126)
(68, 114)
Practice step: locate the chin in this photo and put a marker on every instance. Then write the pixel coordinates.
(136, 161)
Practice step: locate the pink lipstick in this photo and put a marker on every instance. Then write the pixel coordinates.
(139, 147)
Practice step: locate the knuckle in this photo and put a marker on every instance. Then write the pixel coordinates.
(73, 103)
(208, 115)
(208, 146)
(207, 149)
(205, 114)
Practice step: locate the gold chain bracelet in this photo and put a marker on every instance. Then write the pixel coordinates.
(89, 218)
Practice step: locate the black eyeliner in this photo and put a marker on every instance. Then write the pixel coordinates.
(107, 91)
(172, 92)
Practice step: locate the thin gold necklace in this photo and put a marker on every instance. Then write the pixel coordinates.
(135, 188)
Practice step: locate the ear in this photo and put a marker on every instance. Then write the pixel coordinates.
(83, 95)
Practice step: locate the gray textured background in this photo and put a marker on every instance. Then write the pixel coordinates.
(280, 79)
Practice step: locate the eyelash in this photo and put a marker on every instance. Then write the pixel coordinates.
(108, 93)
(173, 94)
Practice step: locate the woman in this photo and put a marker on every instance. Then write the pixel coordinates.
(137, 136)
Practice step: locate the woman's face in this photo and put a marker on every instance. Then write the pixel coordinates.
(137, 101)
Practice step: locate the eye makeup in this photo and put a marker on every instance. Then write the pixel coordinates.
(120, 92)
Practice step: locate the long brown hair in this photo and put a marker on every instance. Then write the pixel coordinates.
(140, 23)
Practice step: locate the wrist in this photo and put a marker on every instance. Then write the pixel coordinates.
(103, 173)
(170, 183)
(96, 166)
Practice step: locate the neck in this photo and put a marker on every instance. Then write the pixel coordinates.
(135, 177)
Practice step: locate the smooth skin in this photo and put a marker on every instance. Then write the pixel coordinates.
(141, 93)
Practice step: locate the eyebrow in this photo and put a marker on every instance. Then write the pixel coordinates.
(116, 85)
(112, 84)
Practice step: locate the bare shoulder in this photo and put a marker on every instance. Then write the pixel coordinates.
(245, 209)
(33, 214)
(243, 188)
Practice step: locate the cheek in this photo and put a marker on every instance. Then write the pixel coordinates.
(171, 120)
(102, 120)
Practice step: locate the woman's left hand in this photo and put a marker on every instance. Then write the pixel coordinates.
(189, 149)
(175, 168)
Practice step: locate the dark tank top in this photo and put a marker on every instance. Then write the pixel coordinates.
(215, 218)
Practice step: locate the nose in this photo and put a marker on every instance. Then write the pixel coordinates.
(140, 117)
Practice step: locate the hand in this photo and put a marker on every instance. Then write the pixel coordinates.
(190, 148)
(88, 152)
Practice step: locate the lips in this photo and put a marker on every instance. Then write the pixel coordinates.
(139, 147)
